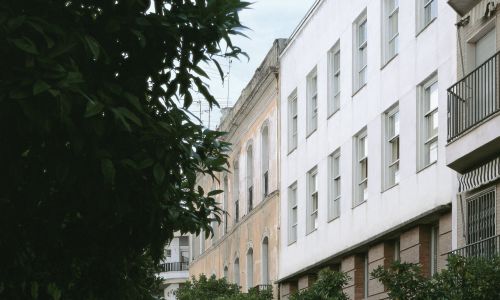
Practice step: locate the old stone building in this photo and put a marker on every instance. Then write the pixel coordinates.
(244, 248)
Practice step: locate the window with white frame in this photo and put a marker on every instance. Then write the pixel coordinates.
(292, 213)
(391, 29)
(427, 11)
(334, 79)
(428, 123)
(292, 121)
(334, 185)
(312, 199)
(360, 55)
(391, 147)
(361, 167)
(312, 101)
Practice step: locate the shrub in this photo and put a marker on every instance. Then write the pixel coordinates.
(218, 289)
(329, 286)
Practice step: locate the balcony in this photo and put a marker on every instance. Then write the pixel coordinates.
(174, 267)
(487, 248)
(462, 7)
(174, 272)
(474, 118)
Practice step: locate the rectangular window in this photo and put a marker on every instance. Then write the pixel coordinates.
(391, 147)
(391, 32)
(427, 11)
(361, 167)
(292, 122)
(312, 199)
(312, 102)
(481, 217)
(397, 250)
(428, 123)
(334, 79)
(360, 52)
(168, 253)
(292, 213)
(434, 249)
(334, 185)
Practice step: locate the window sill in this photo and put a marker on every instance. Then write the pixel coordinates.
(427, 166)
(389, 187)
(291, 243)
(425, 27)
(315, 229)
(389, 61)
(292, 150)
(332, 113)
(359, 89)
(333, 219)
(359, 204)
(310, 133)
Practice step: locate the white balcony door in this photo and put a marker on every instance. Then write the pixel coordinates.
(485, 47)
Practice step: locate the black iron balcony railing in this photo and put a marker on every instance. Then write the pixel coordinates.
(174, 266)
(487, 248)
(474, 98)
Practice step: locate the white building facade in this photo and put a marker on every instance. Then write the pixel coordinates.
(175, 265)
(363, 110)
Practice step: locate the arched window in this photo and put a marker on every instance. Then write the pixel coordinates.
(226, 270)
(237, 271)
(250, 178)
(250, 268)
(236, 191)
(265, 161)
(265, 261)
(226, 194)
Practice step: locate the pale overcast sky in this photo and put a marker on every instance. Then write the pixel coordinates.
(267, 20)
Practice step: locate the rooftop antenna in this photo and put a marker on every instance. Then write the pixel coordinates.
(228, 78)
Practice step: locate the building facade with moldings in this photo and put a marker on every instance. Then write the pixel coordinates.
(244, 248)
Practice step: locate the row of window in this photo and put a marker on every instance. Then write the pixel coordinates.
(250, 266)
(426, 13)
(427, 152)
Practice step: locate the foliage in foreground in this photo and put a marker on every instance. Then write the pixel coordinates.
(464, 278)
(329, 286)
(218, 289)
(99, 154)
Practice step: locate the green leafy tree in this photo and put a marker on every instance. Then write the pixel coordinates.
(218, 289)
(329, 286)
(464, 278)
(99, 154)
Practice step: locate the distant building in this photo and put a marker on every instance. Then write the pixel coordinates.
(364, 178)
(473, 141)
(174, 267)
(244, 248)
